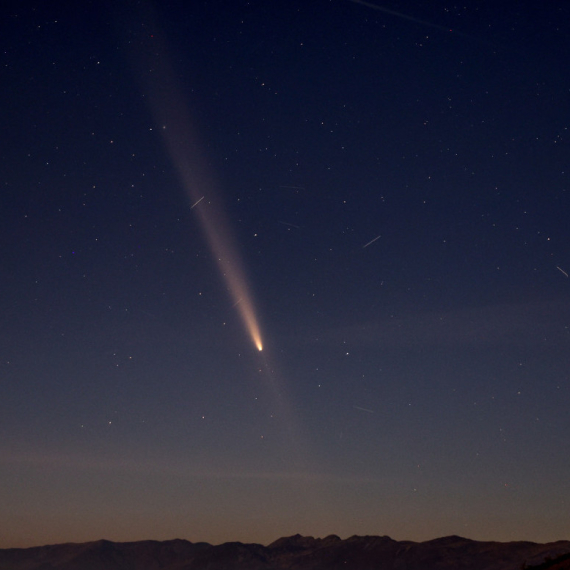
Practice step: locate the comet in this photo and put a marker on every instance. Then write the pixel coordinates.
(171, 110)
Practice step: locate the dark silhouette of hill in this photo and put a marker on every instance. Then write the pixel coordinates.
(293, 553)
(558, 563)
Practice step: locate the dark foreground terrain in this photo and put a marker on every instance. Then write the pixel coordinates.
(293, 553)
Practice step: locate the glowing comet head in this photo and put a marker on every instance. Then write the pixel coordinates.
(239, 291)
(248, 316)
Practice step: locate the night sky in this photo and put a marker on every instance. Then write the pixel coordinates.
(375, 195)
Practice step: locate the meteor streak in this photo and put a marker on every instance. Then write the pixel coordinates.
(371, 241)
(363, 409)
(400, 15)
(418, 21)
(196, 203)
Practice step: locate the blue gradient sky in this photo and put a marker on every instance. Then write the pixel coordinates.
(388, 187)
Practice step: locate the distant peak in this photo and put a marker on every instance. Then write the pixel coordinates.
(296, 541)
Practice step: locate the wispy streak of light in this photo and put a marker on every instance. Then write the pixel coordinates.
(172, 111)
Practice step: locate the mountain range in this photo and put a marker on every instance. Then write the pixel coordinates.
(293, 553)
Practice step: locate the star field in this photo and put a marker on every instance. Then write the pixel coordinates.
(375, 194)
